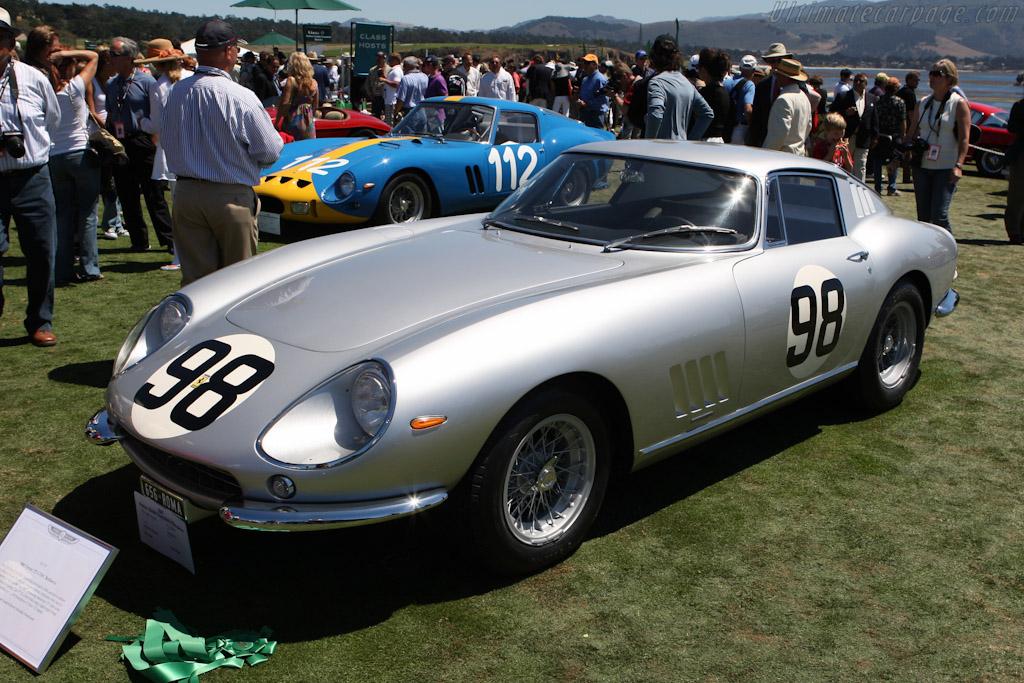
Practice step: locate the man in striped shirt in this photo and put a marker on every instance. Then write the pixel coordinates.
(217, 137)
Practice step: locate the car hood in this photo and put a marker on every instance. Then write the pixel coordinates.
(316, 159)
(367, 296)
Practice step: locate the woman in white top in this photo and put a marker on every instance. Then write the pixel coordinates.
(74, 171)
(943, 121)
(166, 64)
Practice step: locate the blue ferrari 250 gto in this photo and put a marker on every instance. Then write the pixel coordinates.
(448, 156)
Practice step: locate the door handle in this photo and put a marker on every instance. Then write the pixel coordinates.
(858, 257)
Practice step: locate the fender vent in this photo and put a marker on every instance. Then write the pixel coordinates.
(700, 385)
(271, 204)
(475, 180)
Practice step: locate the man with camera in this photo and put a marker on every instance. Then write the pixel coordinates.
(29, 115)
(593, 101)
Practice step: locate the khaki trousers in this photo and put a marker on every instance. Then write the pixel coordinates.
(214, 226)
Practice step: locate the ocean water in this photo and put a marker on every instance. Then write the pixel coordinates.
(988, 87)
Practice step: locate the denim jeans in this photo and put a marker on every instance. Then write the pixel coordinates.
(933, 193)
(877, 167)
(28, 198)
(111, 218)
(76, 190)
(593, 119)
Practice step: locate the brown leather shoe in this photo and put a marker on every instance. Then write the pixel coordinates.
(43, 338)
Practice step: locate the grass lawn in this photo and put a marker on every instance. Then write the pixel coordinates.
(817, 543)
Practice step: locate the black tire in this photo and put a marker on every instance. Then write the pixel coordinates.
(576, 189)
(363, 133)
(405, 198)
(529, 509)
(889, 365)
(990, 165)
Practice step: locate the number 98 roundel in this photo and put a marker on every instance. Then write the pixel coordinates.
(200, 385)
(817, 312)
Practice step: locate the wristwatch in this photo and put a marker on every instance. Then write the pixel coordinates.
(959, 165)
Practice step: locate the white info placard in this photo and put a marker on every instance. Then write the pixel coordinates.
(48, 571)
(163, 531)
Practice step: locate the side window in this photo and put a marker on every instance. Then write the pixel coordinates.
(809, 209)
(517, 126)
(773, 219)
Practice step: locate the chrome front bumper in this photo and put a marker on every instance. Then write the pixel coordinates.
(102, 430)
(282, 516)
(285, 517)
(948, 303)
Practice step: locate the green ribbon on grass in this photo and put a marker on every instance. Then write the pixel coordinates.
(166, 651)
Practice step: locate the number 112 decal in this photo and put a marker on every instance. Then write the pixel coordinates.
(817, 312)
(201, 385)
(508, 156)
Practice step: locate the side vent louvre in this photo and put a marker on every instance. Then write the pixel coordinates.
(470, 180)
(700, 385)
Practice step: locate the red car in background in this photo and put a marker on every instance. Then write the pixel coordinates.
(994, 136)
(345, 123)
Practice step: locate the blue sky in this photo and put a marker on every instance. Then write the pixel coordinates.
(460, 15)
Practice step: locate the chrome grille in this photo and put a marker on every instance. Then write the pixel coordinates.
(209, 481)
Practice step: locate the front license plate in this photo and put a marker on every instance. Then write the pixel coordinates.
(171, 501)
(269, 222)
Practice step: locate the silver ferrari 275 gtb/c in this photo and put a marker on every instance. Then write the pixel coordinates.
(631, 300)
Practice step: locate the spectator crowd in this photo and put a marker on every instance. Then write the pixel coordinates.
(118, 123)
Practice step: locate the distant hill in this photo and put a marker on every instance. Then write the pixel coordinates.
(975, 28)
(598, 27)
(828, 31)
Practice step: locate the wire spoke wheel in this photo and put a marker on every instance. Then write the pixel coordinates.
(575, 189)
(405, 198)
(897, 346)
(406, 203)
(889, 364)
(549, 479)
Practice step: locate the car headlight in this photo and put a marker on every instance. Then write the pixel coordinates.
(334, 422)
(161, 324)
(371, 399)
(346, 184)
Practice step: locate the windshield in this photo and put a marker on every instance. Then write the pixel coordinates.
(629, 203)
(448, 120)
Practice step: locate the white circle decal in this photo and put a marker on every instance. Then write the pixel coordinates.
(816, 315)
(207, 381)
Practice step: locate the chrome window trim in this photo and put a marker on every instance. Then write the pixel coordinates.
(774, 176)
(752, 243)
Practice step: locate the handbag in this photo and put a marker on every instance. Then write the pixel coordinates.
(102, 144)
(107, 148)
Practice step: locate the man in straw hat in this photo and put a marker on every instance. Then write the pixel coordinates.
(789, 120)
(765, 93)
(218, 137)
(165, 61)
(127, 105)
(29, 116)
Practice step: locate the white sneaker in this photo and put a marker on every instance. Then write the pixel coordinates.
(109, 234)
(121, 232)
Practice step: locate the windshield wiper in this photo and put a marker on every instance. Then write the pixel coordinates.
(668, 231)
(545, 221)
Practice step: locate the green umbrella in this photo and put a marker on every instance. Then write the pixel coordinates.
(329, 5)
(271, 39)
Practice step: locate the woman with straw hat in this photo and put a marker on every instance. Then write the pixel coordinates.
(165, 61)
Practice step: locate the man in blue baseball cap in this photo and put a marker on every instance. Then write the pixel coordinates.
(641, 65)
